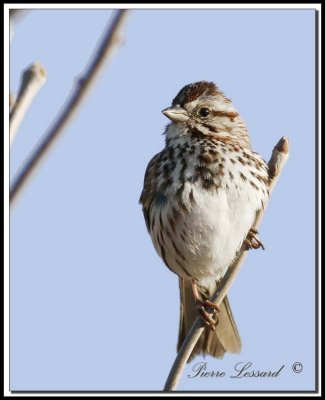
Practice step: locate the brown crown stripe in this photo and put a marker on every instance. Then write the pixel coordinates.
(192, 91)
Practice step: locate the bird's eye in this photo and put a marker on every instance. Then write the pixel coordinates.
(204, 112)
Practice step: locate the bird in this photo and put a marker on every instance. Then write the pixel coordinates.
(200, 197)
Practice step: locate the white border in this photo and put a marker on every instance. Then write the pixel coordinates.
(164, 6)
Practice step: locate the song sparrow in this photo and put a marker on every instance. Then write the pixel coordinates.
(200, 197)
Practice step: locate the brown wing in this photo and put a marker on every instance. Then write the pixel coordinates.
(149, 188)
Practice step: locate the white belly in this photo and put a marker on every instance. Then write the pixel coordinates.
(204, 240)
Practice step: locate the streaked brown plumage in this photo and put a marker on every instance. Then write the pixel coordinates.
(200, 197)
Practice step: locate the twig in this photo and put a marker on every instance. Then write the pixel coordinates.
(15, 16)
(12, 100)
(278, 159)
(107, 46)
(32, 79)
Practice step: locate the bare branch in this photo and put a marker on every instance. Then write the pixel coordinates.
(18, 13)
(12, 100)
(32, 79)
(278, 159)
(15, 16)
(107, 46)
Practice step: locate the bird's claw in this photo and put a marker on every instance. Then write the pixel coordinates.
(252, 241)
(208, 310)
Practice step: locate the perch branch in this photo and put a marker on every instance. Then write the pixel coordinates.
(107, 46)
(277, 161)
(12, 100)
(32, 79)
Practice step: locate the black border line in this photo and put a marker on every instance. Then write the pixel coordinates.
(176, 392)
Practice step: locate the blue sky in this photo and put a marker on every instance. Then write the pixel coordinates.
(92, 305)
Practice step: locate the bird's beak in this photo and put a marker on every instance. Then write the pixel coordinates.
(176, 113)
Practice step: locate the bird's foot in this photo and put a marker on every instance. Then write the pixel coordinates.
(208, 312)
(206, 309)
(252, 241)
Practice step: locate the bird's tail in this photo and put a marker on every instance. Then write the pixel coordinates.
(216, 343)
